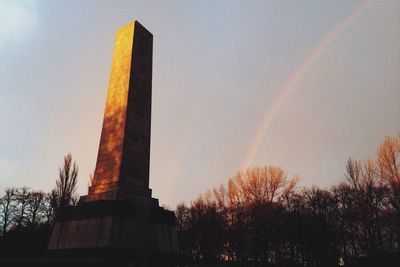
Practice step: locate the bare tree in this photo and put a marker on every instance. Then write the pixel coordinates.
(260, 184)
(36, 207)
(65, 189)
(353, 173)
(49, 207)
(22, 203)
(7, 208)
(388, 158)
(259, 218)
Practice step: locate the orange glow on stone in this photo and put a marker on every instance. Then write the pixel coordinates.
(123, 161)
(110, 151)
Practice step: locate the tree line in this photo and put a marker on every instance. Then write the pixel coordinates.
(27, 216)
(261, 218)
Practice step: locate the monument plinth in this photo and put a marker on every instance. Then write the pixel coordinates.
(119, 213)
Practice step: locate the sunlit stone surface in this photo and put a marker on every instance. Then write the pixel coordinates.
(122, 169)
(119, 216)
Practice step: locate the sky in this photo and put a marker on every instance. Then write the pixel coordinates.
(303, 85)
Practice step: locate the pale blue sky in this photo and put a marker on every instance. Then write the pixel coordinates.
(217, 67)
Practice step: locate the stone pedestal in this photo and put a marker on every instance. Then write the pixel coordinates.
(131, 231)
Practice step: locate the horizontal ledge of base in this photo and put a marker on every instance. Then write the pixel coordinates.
(114, 208)
(101, 208)
(98, 258)
(105, 252)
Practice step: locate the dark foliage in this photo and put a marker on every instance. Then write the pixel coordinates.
(259, 219)
(27, 216)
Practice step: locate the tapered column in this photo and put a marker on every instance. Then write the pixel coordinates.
(123, 161)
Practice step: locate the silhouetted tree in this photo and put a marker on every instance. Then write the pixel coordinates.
(260, 219)
(22, 203)
(7, 208)
(36, 208)
(49, 207)
(27, 216)
(63, 194)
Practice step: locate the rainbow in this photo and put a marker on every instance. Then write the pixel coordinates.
(295, 77)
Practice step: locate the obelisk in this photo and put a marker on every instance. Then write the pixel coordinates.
(119, 216)
(122, 169)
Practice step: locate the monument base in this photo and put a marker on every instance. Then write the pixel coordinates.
(109, 258)
(132, 231)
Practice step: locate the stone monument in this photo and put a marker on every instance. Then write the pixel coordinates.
(119, 218)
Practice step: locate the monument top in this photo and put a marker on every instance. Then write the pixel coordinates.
(123, 161)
